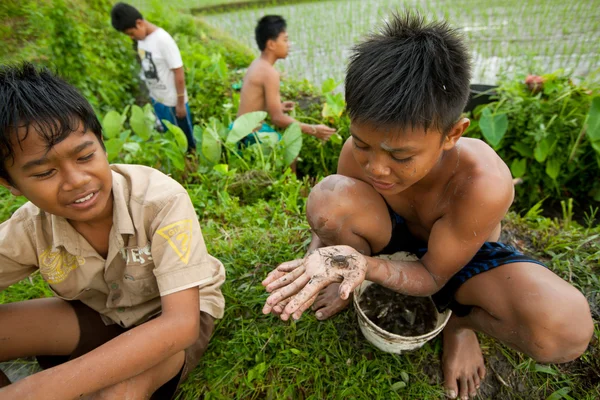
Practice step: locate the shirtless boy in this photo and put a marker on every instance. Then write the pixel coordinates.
(260, 90)
(408, 181)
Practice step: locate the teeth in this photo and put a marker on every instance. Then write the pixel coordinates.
(86, 198)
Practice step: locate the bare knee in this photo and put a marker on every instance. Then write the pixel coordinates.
(339, 207)
(565, 332)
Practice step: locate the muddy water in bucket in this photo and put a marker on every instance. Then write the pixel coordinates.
(415, 319)
(397, 313)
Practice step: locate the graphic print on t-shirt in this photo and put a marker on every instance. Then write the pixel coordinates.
(148, 67)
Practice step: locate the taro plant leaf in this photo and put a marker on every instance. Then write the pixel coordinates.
(113, 148)
(175, 157)
(244, 125)
(139, 124)
(334, 105)
(132, 147)
(329, 85)
(180, 138)
(518, 167)
(211, 147)
(493, 126)
(270, 138)
(541, 150)
(292, 143)
(336, 138)
(593, 124)
(221, 168)
(112, 124)
(522, 149)
(553, 168)
(593, 121)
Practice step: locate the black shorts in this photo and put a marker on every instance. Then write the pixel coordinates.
(491, 255)
(94, 333)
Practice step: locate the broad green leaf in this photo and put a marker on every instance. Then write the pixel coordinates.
(113, 148)
(176, 158)
(334, 106)
(112, 124)
(593, 122)
(292, 143)
(244, 125)
(329, 85)
(493, 126)
(139, 124)
(211, 147)
(180, 138)
(518, 167)
(553, 168)
(269, 138)
(222, 168)
(541, 150)
(522, 149)
(398, 385)
(336, 138)
(596, 146)
(132, 147)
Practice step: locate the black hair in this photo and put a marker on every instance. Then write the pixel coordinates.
(123, 16)
(410, 74)
(36, 99)
(269, 28)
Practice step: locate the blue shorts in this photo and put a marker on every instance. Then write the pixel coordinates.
(491, 255)
(251, 139)
(165, 112)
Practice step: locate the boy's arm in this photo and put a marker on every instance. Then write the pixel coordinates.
(454, 240)
(180, 110)
(275, 110)
(124, 357)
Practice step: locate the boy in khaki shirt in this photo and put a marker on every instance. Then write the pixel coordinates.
(119, 245)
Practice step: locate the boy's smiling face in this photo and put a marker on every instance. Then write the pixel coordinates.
(395, 159)
(71, 180)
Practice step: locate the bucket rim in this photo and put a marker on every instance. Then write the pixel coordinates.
(426, 336)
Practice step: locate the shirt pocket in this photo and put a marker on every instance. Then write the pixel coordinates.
(139, 280)
(74, 295)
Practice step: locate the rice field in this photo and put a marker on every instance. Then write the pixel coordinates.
(505, 37)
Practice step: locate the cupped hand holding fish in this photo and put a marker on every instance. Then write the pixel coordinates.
(294, 285)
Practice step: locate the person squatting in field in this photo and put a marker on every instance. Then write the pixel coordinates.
(408, 181)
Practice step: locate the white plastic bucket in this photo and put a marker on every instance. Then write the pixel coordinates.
(387, 341)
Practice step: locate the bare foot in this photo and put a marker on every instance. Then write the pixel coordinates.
(329, 303)
(462, 361)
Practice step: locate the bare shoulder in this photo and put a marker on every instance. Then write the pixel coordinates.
(483, 181)
(260, 71)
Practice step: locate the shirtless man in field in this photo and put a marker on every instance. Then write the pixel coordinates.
(408, 181)
(260, 90)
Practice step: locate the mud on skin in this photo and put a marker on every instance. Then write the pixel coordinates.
(397, 313)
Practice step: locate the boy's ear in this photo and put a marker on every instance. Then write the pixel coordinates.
(13, 190)
(456, 132)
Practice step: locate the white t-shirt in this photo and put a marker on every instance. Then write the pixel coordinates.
(160, 55)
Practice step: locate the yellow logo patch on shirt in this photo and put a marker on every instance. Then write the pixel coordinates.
(56, 264)
(179, 236)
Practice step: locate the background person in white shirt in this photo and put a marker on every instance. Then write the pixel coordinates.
(162, 67)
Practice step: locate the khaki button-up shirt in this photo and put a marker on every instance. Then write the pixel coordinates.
(155, 248)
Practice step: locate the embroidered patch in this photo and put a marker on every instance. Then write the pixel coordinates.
(56, 264)
(179, 236)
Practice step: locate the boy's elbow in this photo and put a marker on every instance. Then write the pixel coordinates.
(186, 328)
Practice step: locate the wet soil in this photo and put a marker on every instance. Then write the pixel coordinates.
(397, 313)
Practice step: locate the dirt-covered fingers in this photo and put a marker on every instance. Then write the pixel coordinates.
(298, 313)
(281, 270)
(287, 291)
(349, 284)
(310, 290)
(286, 279)
(279, 307)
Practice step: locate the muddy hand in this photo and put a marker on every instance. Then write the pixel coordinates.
(300, 281)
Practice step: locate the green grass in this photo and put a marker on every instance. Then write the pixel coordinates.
(255, 356)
